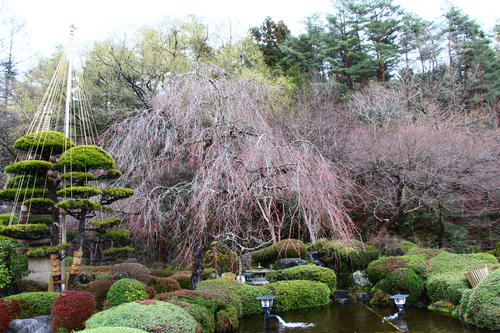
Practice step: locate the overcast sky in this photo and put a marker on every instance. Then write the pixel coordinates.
(47, 20)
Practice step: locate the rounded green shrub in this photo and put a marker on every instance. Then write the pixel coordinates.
(11, 194)
(306, 272)
(151, 316)
(116, 329)
(78, 205)
(126, 290)
(403, 281)
(482, 304)
(86, 157)
(29, 167)
(27, 181)
(118, 251)
(201, 314)
(117, 235)
(77, 178)
(288, 248)
(71, 309)
(25, 231)
(51, 142)
(40, 220)
(378, 269)
(117, 193)
(298, 294)
(6, 218)
(34, 304)
(79, 192)
(107, 222)
(39, 204)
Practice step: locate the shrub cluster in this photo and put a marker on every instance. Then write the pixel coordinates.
(134, 271)
(380, 268)
(126, 290)
(184, 279)
(8, 311)
(25, 231)
(116, 329)
(164, 284)
(100, 288)
(403, 281)
(71, 309)
(33, 304)
(298, 294)
(288, 248)
(151, 316)
(306, 272)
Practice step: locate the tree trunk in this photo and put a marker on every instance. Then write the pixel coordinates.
(198, 264)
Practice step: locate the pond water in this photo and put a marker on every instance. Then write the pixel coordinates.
(354, 317)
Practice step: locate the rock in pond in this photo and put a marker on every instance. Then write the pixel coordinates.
(31, 325)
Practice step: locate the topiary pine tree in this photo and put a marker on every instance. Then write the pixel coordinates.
(55, 178)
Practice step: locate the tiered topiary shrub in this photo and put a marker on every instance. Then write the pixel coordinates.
(288, 248)
(480, 306)
(71, 309)
(150, 316)
(446, 281)
(306, 272)
(126, 290)
(33, 304)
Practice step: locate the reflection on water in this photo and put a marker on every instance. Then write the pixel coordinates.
(355, 318)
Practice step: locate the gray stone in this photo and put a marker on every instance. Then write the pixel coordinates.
(359, 278)
(289, 262)
(31, 325)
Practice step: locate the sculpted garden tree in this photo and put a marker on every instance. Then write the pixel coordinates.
(53, 180)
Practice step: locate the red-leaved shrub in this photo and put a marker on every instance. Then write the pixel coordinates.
(151, 292)
(134, 271)
(71, 309)
(184, 279)
(8, 311)
(100, 288)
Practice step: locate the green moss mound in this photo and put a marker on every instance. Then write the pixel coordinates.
(28, 167)
(27, 181)
(6, 218)
(151, 316)
(79, 192)
(77, 178)
(403, 281)
(380, 268)
(288, 248)
(25, 231)
(306, 272)
(446, 281)
(126, 290)
(117, 193)
(200, 313)
(86, 157)
(117, 329)
(34, 304)
(481, 305)
(12, 194)
(46, 142)
(298, 294)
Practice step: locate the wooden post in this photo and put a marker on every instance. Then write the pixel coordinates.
(56, 272)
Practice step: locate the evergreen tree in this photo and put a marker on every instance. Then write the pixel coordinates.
(270, 35)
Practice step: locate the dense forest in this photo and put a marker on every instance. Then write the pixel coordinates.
(373, 122)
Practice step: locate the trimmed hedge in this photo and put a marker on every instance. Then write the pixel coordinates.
(79, 204)
(306, 272)
(28, 167)
(50, 142)
(34, 304)
(118, 251)
(151, 316)
(288, 248)
(86, 157)
(403, 281)
(298, 294)
(77, 178)
(27, 181)
(11, 194)
(116, 235)
(481, 305)
(107, 222)
(446, 280)
(71, 309)
(5, 218)
(40, 204)
(126, 290)
(117, 193)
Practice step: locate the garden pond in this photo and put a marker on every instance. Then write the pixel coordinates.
(355, 317)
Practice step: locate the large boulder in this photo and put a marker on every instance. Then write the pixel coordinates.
(289, 262)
